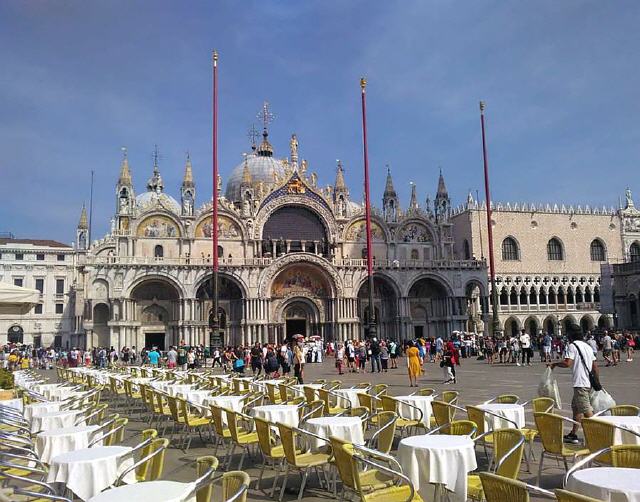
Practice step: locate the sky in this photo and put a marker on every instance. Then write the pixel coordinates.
(79, 80)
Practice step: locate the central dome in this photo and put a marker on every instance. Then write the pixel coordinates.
(262, 168)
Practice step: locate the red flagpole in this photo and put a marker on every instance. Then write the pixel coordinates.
(367, 205)
(492, 270)
(213, 322)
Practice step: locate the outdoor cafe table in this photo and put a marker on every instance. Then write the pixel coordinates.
(233, 403)
(57, 441)
(14, 404)
(423, 403)
(299, 389)
(88, 471)
(611, 484)
(620, 436)
(167, 491)
(286, 414)
(346, 428)
(513, 412)
(261, 385)
(438, 459)
(54, 420)
(349, 397)
(33, 409)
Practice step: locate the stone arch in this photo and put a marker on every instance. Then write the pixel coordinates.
(15, 334)
(385, 300)
(197, 230)
(355, 230)
(510, 249)
(431, 293)
(204, 281)
(269, 273)
(567, 322)
(634, 251)
(586, 323)
(231, 296)
(442, 281)
(533, 296)
(512, 326)
(159, 224)
(101, 315)
(100, 289)
(504, 296)
(604, 321)
(294, 229)
(524, 295)
(416, 230)
(550, 325)
(532, 326)
(158, 276)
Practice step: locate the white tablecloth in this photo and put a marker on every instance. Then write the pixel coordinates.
(622, 437)
(54, 420)
(34, 409)
(59, 393)
(58, 441)
(346, 428)
(14, 404)
(179, 389)
(89, 471)
(234, 403)
(349, 397)
(514, 412)
(438, 458)
(260, 385)
(611, 484)
(198, 397)
(286, 414)
(423, 403)
(299, 390)
(166, 491)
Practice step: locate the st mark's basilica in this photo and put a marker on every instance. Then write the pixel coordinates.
(292, 261)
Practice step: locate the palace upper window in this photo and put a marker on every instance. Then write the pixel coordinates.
(510, 251)
(554, 250)
(634, 252)
(597, 251)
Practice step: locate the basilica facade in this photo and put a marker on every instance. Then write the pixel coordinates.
(292, 261)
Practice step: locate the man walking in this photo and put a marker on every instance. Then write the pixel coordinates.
(525, 347)
(579, 357)
(375, 355)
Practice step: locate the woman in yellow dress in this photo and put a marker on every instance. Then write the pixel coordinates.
(413, 364)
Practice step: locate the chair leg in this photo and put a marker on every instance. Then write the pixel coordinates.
(278, 469)
(540, 467)
(244, 452)
(284, 483)
(303, 484)
(259, 480)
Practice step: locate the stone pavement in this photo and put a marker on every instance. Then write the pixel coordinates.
(477, 382)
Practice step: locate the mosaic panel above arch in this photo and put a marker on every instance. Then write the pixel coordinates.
(227, 228)
(302, 279)
(357, 231)
(414, 232)
(158, 227)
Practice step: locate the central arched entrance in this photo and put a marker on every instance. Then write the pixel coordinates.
(302, 298)
(230, 310)
(156, 309)
(385, 301)
(429, 308)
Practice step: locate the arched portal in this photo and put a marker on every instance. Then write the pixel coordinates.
(294, 229)
(511, 327)
(100, 328)
(549, 326)
(15, 334)
(430, 296)
(157, 310)
(586, 324)
(475, 307)
(531, 326)
(230, 311)
(385, 302)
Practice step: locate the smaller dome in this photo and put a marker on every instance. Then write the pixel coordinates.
(151, 198)
(261, 168)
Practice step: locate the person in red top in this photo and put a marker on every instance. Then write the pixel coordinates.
(451, 359)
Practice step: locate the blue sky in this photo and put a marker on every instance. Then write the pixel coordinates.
(81, 79)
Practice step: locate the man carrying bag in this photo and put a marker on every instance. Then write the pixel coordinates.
(579, 357)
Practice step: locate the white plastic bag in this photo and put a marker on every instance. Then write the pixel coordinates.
(601, 400)
(548, 387)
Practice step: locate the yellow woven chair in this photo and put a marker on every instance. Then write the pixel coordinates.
(205, 469)
(379, 389)
(382, 438)
(301, 462)
(319, 381)
(272, 452)
(598, 435)
(192, 422)
(309, 393)
(550, 429)
(457, 428)
(286, 392)
(626, 455)
(314, 409)
(506, 399)
(116, 434)
(242, 437)
(329, 407)
(450, 396)
(176, 415)
(151, 464)
(485, 438)
(272, 393)
(508, 451)
(222, 432)
(401, 490)
(442, 413)
(567, 496)
(403, 424)
(235, 485)
(428, 391)
(296, 401)
(621, 410)
(500, 489)
(369, 402)
(542, 404)
(369, 480)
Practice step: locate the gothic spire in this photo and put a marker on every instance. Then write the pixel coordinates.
(413, 203)
(265, 149)
(125, 173)
(389, 191)
(187, 181)
(340, 185)
(246, 174)
(442, 189)
(155, 183)
(82, 224)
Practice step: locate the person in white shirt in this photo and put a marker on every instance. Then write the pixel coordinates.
(525, 347)
(579, 357)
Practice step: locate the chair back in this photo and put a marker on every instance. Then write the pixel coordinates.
(288, 438)
(461, 428)
(441, 412)
(379, 389)
(626, 455)
(507, 399)
(450, 396)
(567, 496)
(498, 488)
(550, 430)
(543, 404)
(598, 435)
(116, 434)
(476, 415)
(174, 408)
(366, 400)
(389, 403)
(509, 448)
(284, 394)
(625, 410)
(235, 485)
(426, 392)
(218, 423)
(263, 428)
(309, 393)
(342, 453)
(271, 393)
(232, 423)
(205, 468)
(386, 430)
(154, 452)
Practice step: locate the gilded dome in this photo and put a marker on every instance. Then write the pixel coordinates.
(261, 168)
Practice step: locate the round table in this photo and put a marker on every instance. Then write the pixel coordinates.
(438, 459)
(177, 389)
(195, 396)
(349, 397)
(55, 442)
(33, 409)
(58, 393)
(513, 412)
(89, 471)
(620, 436)
(345, 428)
(14, 404)
(299, 389)
(261, 385)
(611, 484)
(423, 403)
(54, 420)
(234, 403)
(167, 491)
(286, 414)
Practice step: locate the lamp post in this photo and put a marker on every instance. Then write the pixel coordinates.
(214, 322)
